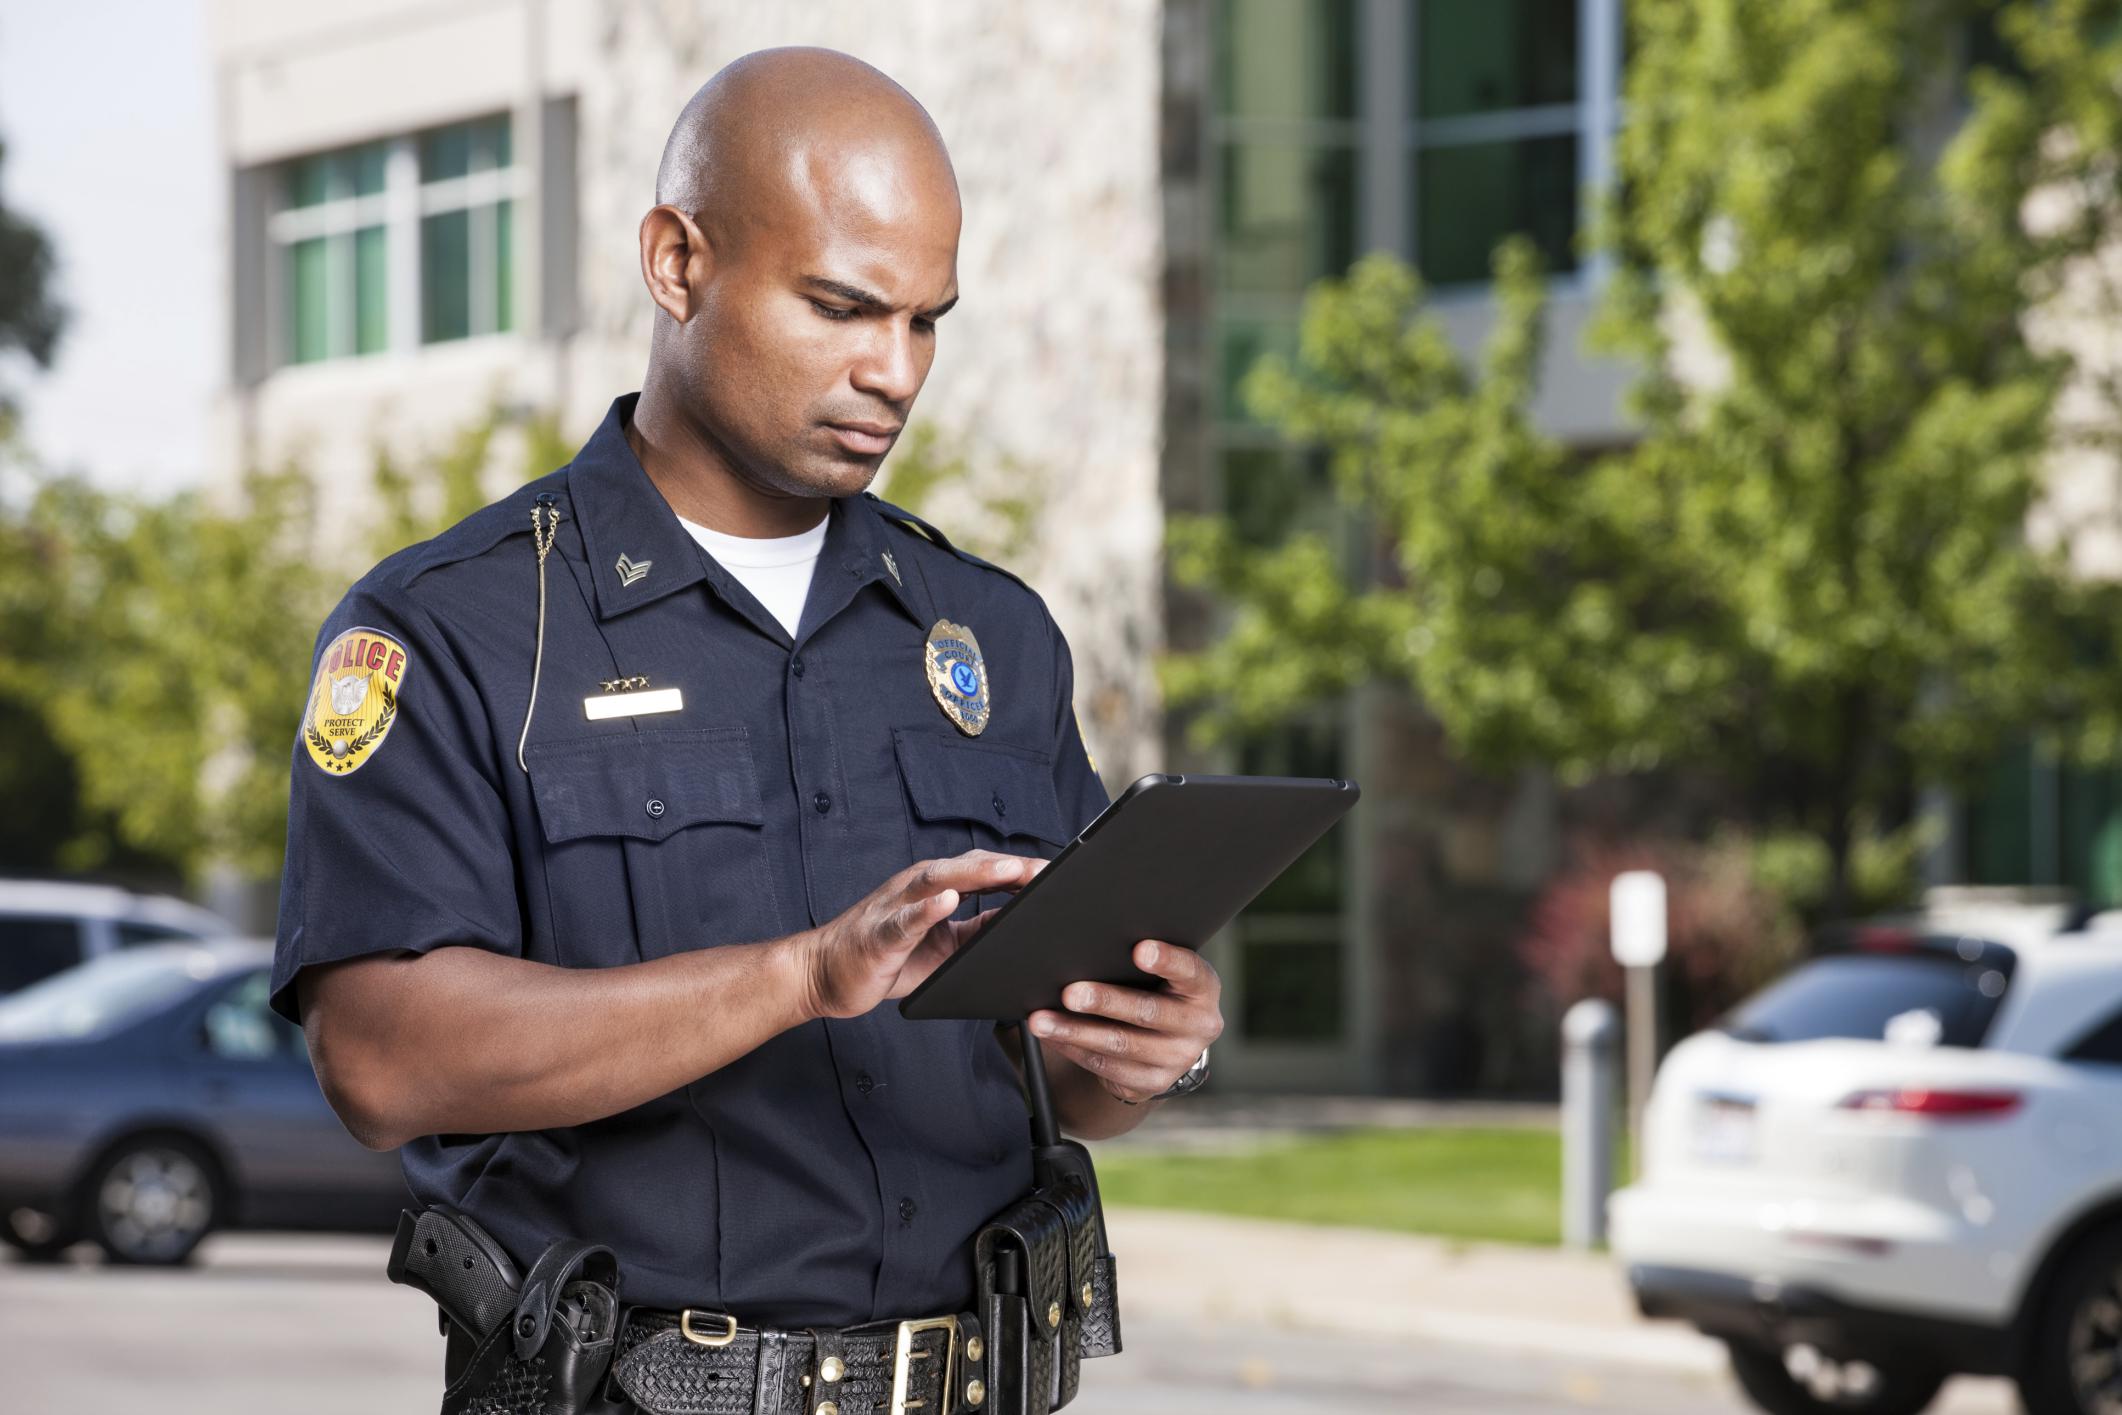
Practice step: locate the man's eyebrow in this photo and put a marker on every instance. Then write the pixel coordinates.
(856, 295)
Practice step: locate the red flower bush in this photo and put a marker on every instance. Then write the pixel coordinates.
(1727, 934)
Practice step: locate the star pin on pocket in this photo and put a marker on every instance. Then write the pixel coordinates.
(630, 697)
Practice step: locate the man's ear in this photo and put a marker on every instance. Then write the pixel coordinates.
(676, 260)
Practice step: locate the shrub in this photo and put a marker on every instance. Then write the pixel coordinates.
(1727, 931)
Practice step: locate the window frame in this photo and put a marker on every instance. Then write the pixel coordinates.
(400, 209)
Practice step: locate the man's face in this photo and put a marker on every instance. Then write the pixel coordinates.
(818, 322)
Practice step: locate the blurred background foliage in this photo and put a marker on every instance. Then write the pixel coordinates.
(1810, 577)
(155, 652)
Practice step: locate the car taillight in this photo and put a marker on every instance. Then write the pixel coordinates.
(1886, 940)
(1941, 1105)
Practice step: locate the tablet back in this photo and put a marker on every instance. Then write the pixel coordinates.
(1174, 858)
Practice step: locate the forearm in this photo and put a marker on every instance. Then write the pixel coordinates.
(461, 1040)
(1082, 1107)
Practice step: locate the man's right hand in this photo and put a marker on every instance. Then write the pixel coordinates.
(883, 945)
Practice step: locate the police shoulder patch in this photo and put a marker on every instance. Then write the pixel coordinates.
(354, 700)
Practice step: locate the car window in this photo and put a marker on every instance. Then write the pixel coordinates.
(33, 947)
(241, 1027)
(102, 993)
(1919, 997)
(132, 935)
(2103, 1043)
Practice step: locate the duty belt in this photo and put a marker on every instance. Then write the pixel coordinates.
(696, 1362)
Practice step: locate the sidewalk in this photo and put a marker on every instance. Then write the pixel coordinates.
(1391, 1285)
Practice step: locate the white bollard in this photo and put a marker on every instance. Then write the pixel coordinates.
(1591, 1049)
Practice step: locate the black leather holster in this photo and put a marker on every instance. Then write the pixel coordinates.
(540, 1345)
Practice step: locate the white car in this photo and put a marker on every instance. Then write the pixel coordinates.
(49, 925)
(1899, 1162)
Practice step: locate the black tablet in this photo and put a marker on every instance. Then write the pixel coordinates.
(1174, 858)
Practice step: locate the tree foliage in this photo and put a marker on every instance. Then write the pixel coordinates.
(161, 646)
(1810, 570)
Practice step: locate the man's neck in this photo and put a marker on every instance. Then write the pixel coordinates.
(697, 479)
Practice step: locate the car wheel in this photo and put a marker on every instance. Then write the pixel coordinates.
(1801, 1380)
(2076, 1362)
(152, 1201)
(37, 1237)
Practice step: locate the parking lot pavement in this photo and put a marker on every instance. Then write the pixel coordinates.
(269, 1322)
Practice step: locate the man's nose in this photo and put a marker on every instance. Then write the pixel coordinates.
(893, 365)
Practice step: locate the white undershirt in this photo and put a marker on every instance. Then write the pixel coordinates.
(776, 569)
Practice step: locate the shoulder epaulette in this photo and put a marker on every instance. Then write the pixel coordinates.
(914, 525)
(477, 533)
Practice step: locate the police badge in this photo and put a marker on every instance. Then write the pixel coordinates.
(957, 675)
(354, 699)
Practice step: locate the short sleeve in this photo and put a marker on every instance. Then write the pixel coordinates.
(1082, 795)
(397, 834)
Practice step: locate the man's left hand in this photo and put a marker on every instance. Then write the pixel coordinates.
(1136, 1041)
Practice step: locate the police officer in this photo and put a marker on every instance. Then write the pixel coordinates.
(623, 809)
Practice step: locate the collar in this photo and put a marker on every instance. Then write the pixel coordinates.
(638, 553)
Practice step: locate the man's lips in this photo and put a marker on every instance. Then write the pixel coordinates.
(867, 439)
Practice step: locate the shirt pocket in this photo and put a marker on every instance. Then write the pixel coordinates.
(963, 795)
(664, 827)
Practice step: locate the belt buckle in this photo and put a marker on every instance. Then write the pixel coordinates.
(707, 1338)
(904, 1355)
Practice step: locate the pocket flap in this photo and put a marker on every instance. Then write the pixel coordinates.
(644, 784)
(1006, 788)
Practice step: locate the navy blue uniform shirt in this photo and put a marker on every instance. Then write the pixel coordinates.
(837, 1173)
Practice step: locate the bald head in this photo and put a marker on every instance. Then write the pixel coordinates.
(799, 127)
(803, 244)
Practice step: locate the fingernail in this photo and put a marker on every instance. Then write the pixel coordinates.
(1043, 1026)
(1076, 997)
(1149, 953)
(948, 899)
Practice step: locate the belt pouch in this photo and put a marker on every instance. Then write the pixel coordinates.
(1064, 1177)
(1041, 1323)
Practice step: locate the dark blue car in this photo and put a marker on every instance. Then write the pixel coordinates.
(150, 1097)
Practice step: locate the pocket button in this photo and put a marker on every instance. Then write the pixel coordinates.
(654, 808)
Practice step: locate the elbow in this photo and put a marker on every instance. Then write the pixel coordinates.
(363, 1101)
(358, 1085)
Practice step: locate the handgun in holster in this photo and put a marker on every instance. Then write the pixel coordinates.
(540, 1344)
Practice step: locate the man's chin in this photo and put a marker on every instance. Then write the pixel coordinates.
(843, 475)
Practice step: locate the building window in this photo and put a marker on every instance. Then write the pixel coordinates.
(1497, 126)
(467, 220)
(331, 229)
(2036, 820)
(394, 244)
(1432, 128)
(1290, 941)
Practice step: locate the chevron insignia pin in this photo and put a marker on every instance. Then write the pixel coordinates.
(629, 569)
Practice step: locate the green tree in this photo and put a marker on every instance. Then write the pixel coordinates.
(1810, 572)
(161, 649)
